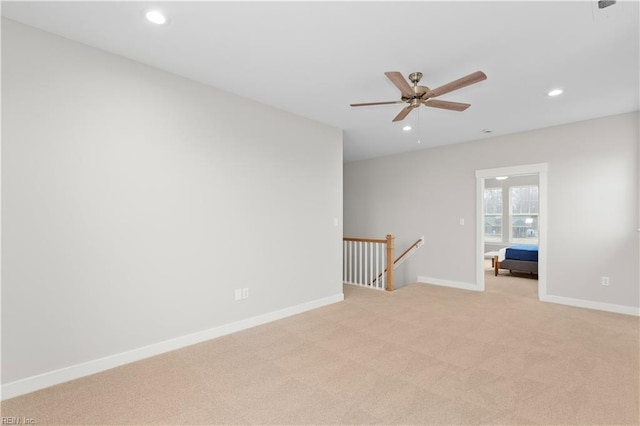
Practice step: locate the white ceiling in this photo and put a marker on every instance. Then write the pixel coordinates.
(314, 58)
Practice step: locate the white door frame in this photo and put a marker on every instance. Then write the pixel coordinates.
(541, 170)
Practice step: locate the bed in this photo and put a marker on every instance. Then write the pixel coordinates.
(520, 258)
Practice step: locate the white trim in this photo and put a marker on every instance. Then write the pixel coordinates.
(541, 170)
(542, 232)
(480, 230)
(525, 169)
(579, 303)
(448, 283)
(41, 381)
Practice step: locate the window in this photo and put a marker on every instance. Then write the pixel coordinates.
(523, 220)
(493, 214)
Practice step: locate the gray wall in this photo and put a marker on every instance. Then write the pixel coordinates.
(135, 202)
(592, 204)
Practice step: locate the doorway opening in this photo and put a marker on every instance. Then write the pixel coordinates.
(495, 229)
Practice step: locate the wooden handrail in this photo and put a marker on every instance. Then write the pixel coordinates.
(411, 247)
(364, 240)
(407, 250)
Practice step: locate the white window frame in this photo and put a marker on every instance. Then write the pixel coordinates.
(500, 237)
(513, 216)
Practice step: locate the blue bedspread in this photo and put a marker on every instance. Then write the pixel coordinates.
(522, 252)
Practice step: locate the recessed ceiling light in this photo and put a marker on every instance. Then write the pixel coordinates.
(406, 128)
(555, 92)
(501, 177)
(156, 17)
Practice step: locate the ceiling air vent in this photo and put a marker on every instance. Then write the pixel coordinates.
(605, 3)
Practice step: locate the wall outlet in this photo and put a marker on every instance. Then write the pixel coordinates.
(238, 293)
(461, 222)
(245, 293)
(604, 281)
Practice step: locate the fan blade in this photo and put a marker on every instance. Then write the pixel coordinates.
(405, 111)
(457, 84)
(377, 103)
(397, 79)
(455, 106)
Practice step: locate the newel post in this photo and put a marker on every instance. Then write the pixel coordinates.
(389, 262)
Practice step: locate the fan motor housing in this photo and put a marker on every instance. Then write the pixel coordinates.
(419, 91)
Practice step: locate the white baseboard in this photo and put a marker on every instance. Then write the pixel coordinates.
(579, 303)
(608, 307)
(41, 381)
(448, 283)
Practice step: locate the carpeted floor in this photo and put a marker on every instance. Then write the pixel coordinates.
(420, 355)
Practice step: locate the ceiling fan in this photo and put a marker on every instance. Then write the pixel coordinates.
(422, 95)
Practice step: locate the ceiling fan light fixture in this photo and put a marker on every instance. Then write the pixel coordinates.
(156, 17)
(555, 92)
(416, 96)
(406, 128)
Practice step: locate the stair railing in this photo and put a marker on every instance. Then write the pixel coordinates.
(369, 262)
(364, 259)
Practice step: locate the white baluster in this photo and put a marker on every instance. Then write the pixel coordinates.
(383, 278)
(354, 262)
(378, 265)
(383, 281)
(351, 262)
(366, 267)
(357, 280)
(344, 261)
(372, 266)
(360, 263)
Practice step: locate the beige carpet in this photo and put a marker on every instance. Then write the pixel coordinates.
(420, 355)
